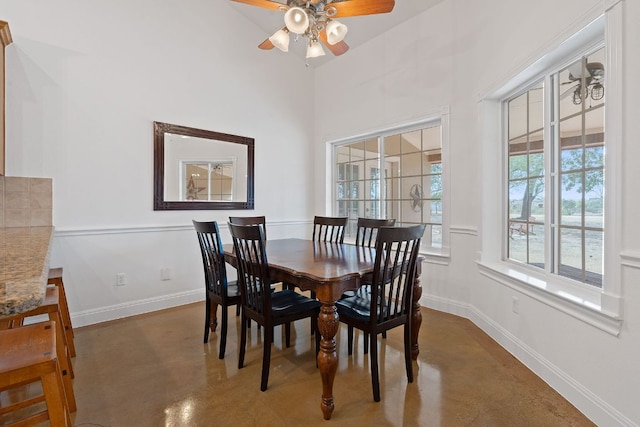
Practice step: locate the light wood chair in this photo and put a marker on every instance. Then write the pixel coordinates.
(55, 279)
(51, 307)
(30, 355)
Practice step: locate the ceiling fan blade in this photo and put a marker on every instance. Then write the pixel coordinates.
(267, 4)
(362, 7)
(266, 45)
(337, 49)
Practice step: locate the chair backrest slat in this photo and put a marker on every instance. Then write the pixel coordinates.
(253, 269)
(329, 229)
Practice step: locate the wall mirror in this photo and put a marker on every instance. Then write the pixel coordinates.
(201, 169)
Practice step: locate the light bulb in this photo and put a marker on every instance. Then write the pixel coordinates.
(296, 20)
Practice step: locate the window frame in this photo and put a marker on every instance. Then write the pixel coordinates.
(600, 308)
(434, 254)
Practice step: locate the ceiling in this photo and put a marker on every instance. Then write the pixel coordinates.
(361, 28)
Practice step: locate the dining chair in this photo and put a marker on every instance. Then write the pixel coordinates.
(50, 308)
(366, 234)
(250, 220)
(367, 230)
(266, 308)
(389, 303)
(219, 291)
(30, 355)
(329, 229)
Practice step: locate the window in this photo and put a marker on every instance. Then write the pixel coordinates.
(555, 172)
(395, 174)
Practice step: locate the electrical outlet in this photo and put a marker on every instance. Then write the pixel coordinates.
(165, 274)
(515, 305)
(121, 279)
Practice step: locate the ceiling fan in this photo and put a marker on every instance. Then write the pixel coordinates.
(316, 20)
(592, 81)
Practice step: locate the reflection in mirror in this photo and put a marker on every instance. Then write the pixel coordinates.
(199, 169)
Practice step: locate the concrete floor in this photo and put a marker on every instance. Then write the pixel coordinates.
(154, 370)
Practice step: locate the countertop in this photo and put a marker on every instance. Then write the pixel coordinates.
(24, 267)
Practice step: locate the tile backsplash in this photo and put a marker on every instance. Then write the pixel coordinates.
(25, 202)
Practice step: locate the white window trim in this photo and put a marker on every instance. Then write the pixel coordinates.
(601, 308)
(433, 255)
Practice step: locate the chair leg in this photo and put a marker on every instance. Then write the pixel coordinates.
(238, 310)
(365, 339)
(287, 334)
(207, 319)
(375, 378)
(243, 342)
(317, 337)
(313, 324)
(350, 340)
(266, 357)
(223, 332)
(407, 351)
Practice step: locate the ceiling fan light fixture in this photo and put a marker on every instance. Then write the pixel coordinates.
(597, 92)
(335, 31)
(280, 39)
(296, 20)
(314, 49)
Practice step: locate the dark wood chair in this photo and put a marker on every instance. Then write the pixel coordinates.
(367, 230)
(366, 234)
(219, 291)
(266, 308)
(389, 303)
(250, 220)
(329, 229)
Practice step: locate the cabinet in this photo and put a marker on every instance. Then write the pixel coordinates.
(5, 39)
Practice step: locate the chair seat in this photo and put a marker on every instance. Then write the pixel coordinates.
(288, 302)
(358, 307)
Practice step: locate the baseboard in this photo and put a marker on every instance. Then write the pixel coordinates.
(119, 311)
(592, 406)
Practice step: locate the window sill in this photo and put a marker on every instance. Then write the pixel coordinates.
(583, 304)
(436, 255)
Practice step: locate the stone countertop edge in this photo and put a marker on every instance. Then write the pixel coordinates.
(24, 268)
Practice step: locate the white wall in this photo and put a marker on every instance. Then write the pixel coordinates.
(86, 80)
(450, 56)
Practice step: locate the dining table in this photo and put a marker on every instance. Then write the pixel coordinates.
(328, 269)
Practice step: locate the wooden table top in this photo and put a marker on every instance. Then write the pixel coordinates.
(313, 265)
(24, 267)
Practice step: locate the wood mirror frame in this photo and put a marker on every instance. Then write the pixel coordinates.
(160, 204)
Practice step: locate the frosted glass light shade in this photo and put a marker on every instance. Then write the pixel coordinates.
(296, 20)
(280, 39)
(315, 49)
(335, 32)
